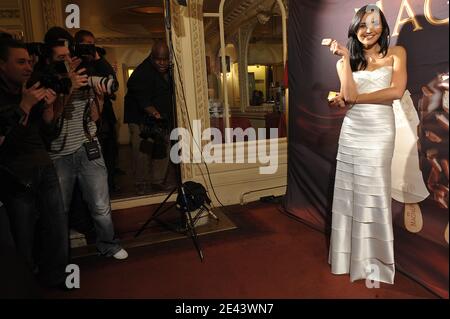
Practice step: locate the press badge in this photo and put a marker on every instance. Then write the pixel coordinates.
(92, 150)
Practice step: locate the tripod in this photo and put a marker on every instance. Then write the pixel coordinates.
(186, 216)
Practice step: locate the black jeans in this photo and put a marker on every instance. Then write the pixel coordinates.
(39, 225)
(6, 239)
(15, 278)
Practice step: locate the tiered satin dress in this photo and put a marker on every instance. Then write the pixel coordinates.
(362, 236)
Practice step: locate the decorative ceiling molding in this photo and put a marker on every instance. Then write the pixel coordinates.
(243, 14)
(239, 11)
(125, 40)
(9, 13)
(249, 16)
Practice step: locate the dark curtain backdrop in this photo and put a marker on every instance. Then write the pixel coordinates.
(314, 127)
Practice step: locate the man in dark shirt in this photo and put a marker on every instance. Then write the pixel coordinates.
(107, 130)
(149, 94)
(30, 190)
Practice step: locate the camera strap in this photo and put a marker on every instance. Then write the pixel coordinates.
(59, 126)
(87, 117)
(92, 148)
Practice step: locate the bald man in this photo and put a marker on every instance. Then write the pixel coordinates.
(149, 96)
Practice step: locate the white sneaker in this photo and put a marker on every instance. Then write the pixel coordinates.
(121, 254)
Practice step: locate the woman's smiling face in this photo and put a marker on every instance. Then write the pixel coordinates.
(370, 29)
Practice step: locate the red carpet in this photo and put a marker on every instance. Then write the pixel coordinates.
(270, 255)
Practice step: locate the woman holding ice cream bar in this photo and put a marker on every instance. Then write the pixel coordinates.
(372, 75)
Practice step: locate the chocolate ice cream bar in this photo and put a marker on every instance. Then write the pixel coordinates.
(327, 42)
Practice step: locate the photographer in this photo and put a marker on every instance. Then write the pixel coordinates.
(29, 187)
(76, 152)
(107, 124)
(149, 100)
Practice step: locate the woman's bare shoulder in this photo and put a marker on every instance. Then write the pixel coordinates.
(397, 51)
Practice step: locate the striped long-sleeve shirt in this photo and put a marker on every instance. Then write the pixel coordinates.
(73, 135)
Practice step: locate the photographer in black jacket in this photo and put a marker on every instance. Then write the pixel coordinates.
(107, 124)
(149, 99)
(29, 186)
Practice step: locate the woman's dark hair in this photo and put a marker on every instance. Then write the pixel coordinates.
(57, 33)
(357, 59)
(56, 37)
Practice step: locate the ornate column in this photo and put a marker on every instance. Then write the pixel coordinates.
(52, 11)
(39, 16)
(243, 38)
(190, 65)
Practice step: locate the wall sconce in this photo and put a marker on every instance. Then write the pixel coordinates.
(127, 72)
(130, 71)
(228, 62)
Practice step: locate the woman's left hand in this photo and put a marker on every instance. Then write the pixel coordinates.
(338, 49)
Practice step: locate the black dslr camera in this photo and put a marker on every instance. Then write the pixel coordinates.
(36, 48)
(37, 52)
(52, 76)
(87, 52)
(154, 133)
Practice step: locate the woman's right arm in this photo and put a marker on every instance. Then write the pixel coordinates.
(348, 86)
(348, 89)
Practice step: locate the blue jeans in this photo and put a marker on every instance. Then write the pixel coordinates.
(92, 178)
(38, 213)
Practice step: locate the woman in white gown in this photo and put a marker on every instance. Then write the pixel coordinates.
(372, 76)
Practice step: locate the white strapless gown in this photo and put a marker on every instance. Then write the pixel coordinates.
(361, 235)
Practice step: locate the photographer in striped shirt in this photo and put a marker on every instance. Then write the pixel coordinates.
(76, 151)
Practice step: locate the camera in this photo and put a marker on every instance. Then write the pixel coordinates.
(100, 51)
(109, 82)
(35, 48)
(53, 76)
(155, 129)
(153, 133)
(86, 52)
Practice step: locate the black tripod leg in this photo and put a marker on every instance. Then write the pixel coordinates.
(155, 213)
(210, 212)
(191, 229)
